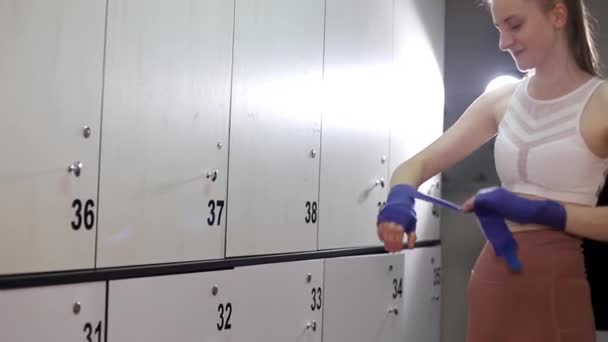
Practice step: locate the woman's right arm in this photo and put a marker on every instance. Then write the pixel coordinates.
(476, 126)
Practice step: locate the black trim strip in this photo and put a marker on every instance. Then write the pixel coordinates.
(114, 273)
(105, 325)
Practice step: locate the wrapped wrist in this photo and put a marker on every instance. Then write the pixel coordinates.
(399, 208)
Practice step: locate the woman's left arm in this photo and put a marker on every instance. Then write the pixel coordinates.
(587, 222)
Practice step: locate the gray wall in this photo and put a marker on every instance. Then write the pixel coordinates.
(472, 59)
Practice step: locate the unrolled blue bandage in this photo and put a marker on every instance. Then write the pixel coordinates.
(419, 195)
(492, 224)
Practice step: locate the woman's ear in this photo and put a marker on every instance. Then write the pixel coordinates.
(560, 15)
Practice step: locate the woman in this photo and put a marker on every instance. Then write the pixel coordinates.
(551, 154)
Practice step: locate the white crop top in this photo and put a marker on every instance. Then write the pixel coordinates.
(539, 149)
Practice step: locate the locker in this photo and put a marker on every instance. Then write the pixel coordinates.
(184, 307)
(355, 133)
(74, 312)
(419, 88)
(281, 302)
(275, 127)
(165, 131)
(50, 103)
(422, 294)
(419, 95)
(428, 214)
(364, 299)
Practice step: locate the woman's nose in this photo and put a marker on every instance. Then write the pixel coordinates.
(506, 41)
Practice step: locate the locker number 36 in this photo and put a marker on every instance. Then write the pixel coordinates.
(84, 214)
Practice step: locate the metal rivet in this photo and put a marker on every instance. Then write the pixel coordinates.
(219, 145)
(76, 308)
(432, 260)
(313, 153)
(86, 131)
(383, 159)
(309, 278)
(312, 325)
(390, 268)
(76, 168)
(214, 290)
(212, 175)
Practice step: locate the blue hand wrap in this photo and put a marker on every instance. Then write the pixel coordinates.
(492, 206)
(521, 210)
(399, 208)
(500, 237)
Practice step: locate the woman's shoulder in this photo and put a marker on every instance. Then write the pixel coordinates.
(599, 98)
(602, 92)
(500, 97)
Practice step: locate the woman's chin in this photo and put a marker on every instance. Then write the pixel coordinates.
(523, 66)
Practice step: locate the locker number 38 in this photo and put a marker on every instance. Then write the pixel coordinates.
(311, 212)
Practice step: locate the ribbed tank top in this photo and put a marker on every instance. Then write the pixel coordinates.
(539, 149)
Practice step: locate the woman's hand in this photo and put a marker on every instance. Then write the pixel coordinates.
(392, 235)
(508, 205)
(397, 218)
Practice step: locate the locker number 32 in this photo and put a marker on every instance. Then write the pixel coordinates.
(225, 312)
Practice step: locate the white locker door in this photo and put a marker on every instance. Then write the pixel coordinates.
(50, 105)
(281, 302)
(419, 94)
(165, 131)
(419, 90)
(355, 137)
(428, 214)
(421, 294)
(363, 299)
(275, 127)
(194, 307)
(74, 312)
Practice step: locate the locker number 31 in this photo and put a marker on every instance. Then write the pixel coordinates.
(92, 334)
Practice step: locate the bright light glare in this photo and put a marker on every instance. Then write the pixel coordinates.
(500, 81)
